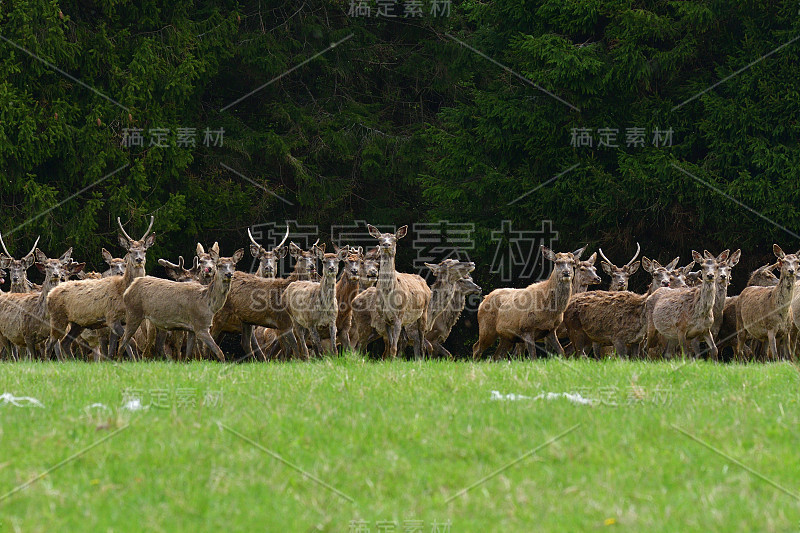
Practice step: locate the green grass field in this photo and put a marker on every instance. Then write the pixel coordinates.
(349, 445)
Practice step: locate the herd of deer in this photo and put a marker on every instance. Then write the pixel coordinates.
(122, 310)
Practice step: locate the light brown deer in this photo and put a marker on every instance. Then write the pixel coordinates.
(23, 316)
(527, 314)
(346, 291)
(312, 305)
(620, 275)
(764, 313)
(205, 262)
(172, 305)
(370, 267)
(443, 324)
(398, 300)
(94, 303)
(18, 268)
(687, 314)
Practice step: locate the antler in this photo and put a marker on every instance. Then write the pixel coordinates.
(284, 237)
(34, 246)
(638, 249)
(606, 259)
(4, 246)
(146, 233)
(165, 263)
(251, 238)
(123, 230)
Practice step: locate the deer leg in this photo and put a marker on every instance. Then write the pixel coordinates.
(502, 348)
(332, 333)
(394, 332)
(66, 343)
(553, 338)
(205, 336)
(316, 340)
(161, 337)
(247, 342)
(621, 348)
(483, 343)
(441, 350)
(711, 345)
(33, 353)
(773, 347)
(300, 338)
(127, 333)
(190, 340)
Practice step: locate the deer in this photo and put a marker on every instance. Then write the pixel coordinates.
(614, 318)
(23, 316)
(443, 324)
(205, 263)
(312, 305)
(398, 299)
(370, 267)
(267, 259)
(688, 314)
(173, 305)
(256, 301)
(527, 314)
(94, 303)
(620, 275)
(18, 268)
(346, 291)
(765, 313)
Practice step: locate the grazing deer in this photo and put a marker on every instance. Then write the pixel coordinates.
(172, 305)
(620, 275)
(18, 268)
(267, 259)
(398, 300)
(444, 323)
(23, 316)
(312, 305)
(684, 315)
(527, 314)
(94, 303)
(764, 313)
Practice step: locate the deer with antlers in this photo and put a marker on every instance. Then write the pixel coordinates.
(18, 268)
(172, 305)
(94, 303)
(267, 259)
(23, 316)
(620, 275)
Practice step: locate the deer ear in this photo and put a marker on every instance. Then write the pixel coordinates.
(723, 256)
(778, 252)
(39, 255)
(237, 255)
(255, 250)
(592, 259)
(607, 268)
(148, 242)
(734, 259)
(214, 254)
(28, 261)
(672, 264)
(707, 254)
(401, 232)
(688, 268)
(579, 252)
(107, 257)
(647, 264)
(123, 241)
(294, 249)
(215, 247)
(342, 254)
(320, 250)
(74, 268)
(433, 268)
(697, 257)
(548, 253)
(633, 268)
(199, 250)
(66, 257)
(280, 253)
(373, 231)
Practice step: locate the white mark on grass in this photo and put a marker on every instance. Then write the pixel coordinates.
(7, 397)
(96, 406)
(135, 404)
(572, 397)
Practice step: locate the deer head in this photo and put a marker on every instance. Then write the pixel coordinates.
(586, 272)
(620, 275)
(205, 266)
(563, 263)
(137, 249)
(17, 268)
(57, 270)
(352, 262)
(763, 276)
(708, 265)
(788, 263)
(305, 261)
(116, 265)
(268, 259)
(178, 272)
(387, 242)
(660, 274)
(225, 266)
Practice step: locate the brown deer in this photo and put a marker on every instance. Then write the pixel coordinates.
(527, 314)
(370, 267)
(18, 268)
(205, 262)
(764, 313)
(23, 316)
(172, 305)
(443, 324)
(620, 275)
(312, 305)
(398, 300)
(346, 291)
(687, 314)
(267, 259)
(94, 303)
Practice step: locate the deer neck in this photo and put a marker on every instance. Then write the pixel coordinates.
(441, 294)
(131, 272)
(782, 293)
(327, 290)
(216, 292)
(577, 285)
(346, 289)
(557, 292)
(20, 286)
(719, 300)
(48, 283)
(705, 302)
(387, 276)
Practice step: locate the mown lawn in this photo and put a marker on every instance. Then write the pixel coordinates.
(392, 444)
